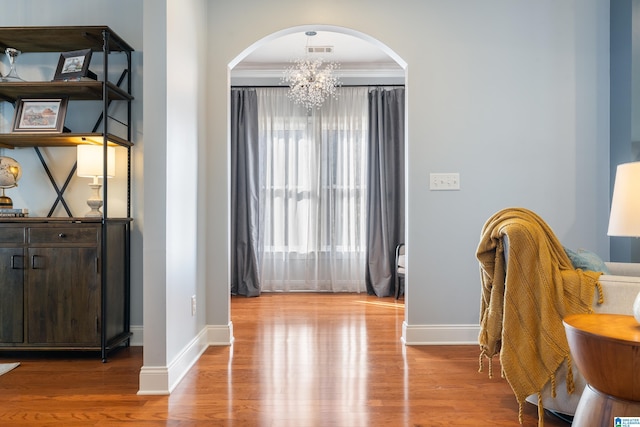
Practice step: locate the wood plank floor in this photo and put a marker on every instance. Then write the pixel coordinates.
(298, 360)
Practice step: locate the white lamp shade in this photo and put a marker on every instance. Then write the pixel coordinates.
(90, 162)
(624, 219)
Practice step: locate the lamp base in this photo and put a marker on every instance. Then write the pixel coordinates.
(94, 202)
(6, 202)
(636, 308)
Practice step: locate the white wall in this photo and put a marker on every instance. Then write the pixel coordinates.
(512, 95)
(185, 94)
(155, 197)
(175, 34)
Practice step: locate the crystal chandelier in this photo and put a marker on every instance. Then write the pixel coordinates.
(311, 81)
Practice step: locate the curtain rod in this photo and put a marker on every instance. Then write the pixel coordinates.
(284, 87)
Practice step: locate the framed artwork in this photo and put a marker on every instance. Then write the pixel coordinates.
(40, 115)
(73, 65)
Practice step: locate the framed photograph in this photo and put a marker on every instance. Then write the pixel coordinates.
(73, 65)
(40, 115)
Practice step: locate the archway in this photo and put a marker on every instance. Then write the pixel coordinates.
(327, 28)
(275, 72)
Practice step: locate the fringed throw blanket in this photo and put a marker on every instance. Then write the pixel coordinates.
(523, 303)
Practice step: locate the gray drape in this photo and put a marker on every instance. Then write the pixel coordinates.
(385, 222)
(245, 191)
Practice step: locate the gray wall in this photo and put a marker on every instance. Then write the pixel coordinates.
(512, 95)
(175, 34)
(625, 104)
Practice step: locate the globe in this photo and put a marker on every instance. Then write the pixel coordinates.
(10, 173)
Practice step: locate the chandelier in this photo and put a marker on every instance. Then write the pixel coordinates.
(311, 81)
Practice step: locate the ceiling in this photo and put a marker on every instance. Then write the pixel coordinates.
(358, 58)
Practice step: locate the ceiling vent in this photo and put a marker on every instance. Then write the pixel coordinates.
(319, 49)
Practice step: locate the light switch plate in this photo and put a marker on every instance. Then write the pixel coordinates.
(444, 181)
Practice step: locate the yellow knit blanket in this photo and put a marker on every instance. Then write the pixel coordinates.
(523, 305)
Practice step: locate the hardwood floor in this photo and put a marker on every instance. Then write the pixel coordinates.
(297, 360)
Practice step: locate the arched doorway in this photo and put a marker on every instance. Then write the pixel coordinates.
(363, 60)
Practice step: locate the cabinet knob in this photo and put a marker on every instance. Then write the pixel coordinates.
(62, 235)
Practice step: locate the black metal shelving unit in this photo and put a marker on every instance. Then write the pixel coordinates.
(100, 39)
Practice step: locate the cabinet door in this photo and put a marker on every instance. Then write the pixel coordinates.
(11, 295)
(63, 289)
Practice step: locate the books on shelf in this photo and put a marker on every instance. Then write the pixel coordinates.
(14, 213)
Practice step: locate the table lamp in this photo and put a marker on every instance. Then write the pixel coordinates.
(624, 219)
(91, 165)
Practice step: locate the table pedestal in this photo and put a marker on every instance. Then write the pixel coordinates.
(599, 409)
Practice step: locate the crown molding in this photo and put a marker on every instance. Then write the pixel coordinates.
(352, 70)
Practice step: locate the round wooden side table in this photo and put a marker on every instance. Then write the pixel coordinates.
(606, 350)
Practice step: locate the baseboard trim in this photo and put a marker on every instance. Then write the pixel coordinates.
(220, 334)
(153, 381)
(137, 337)
(161, 380)
(216, 335)
(440, 334)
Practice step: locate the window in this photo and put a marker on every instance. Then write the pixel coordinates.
(313, 186)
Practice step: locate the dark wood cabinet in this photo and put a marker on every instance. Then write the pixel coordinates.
(50, 293)
(11, 295)
(63, 290)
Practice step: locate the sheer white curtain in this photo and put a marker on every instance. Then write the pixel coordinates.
(313, 190)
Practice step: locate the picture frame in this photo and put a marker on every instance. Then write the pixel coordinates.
(43, 115)
(73, 65)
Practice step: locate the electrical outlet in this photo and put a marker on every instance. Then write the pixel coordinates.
(444, 181)
(193, 305)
